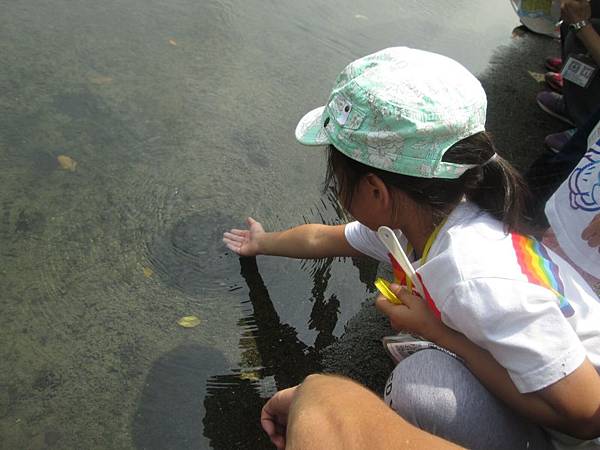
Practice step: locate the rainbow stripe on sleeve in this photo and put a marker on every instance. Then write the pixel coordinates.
(539, 269)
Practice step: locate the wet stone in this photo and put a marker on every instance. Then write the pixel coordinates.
(46, 380)
(77, 105)
(51, 437)
(191, 256)
(4, 400)
(254, 149)
(37, 442)
(43, 163)
(30, 222)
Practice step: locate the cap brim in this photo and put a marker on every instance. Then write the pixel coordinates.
(310, 129)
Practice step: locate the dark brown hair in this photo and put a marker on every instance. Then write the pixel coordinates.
(494, 184)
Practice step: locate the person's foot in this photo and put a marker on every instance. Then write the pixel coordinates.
(553, 63)
(554, 104)
(554, 80)
(556, 141)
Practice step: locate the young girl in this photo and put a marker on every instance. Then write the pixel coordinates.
(407, 149)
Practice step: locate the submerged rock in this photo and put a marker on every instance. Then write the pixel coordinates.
(191, 255)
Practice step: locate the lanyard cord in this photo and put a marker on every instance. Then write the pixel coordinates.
(430, 240)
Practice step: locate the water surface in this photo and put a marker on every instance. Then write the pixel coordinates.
(179, 115)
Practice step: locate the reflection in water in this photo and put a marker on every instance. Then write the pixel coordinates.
(270, 350)
(282, 354)
(233, 401)
(367, 272)
(232, 418)
(324, 314)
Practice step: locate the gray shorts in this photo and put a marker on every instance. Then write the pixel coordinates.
(437, 393)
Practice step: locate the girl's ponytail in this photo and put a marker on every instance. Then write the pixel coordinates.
(501, 191)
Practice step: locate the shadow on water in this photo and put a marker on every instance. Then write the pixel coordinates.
(171, 407)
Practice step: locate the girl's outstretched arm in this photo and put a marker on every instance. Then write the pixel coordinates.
(308, 241)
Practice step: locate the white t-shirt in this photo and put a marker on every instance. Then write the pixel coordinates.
(575, 204)
(506, 293)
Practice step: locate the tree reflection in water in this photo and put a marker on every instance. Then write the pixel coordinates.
(233, 401)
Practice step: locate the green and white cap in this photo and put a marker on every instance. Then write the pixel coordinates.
(399, 110)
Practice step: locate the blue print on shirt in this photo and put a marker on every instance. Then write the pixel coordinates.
(584, 182)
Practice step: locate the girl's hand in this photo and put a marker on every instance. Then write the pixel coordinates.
(413, 316)
(245, 242)
(591, 233)
(575, 10)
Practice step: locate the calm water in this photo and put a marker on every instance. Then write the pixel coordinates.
(173, 121)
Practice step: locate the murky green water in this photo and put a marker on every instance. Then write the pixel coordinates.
(179, 115)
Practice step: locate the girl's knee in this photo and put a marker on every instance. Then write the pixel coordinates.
(420, 390)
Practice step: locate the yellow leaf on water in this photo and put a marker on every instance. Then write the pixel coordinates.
(173, 42)
(537, 76)
(66, 163)
(189, 322)
(148, 272)
(250, 376)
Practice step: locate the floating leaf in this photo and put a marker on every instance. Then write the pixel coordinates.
(189, 322)
(66, 163)
(250, 376)
(148, 272)
(537, 76)
(101, 79)
(173, 42)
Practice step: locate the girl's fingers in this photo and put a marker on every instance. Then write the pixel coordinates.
(233, 247)
(396, 314)
(234, 237)
(239, 232)
(386, 307)
(405, 295)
